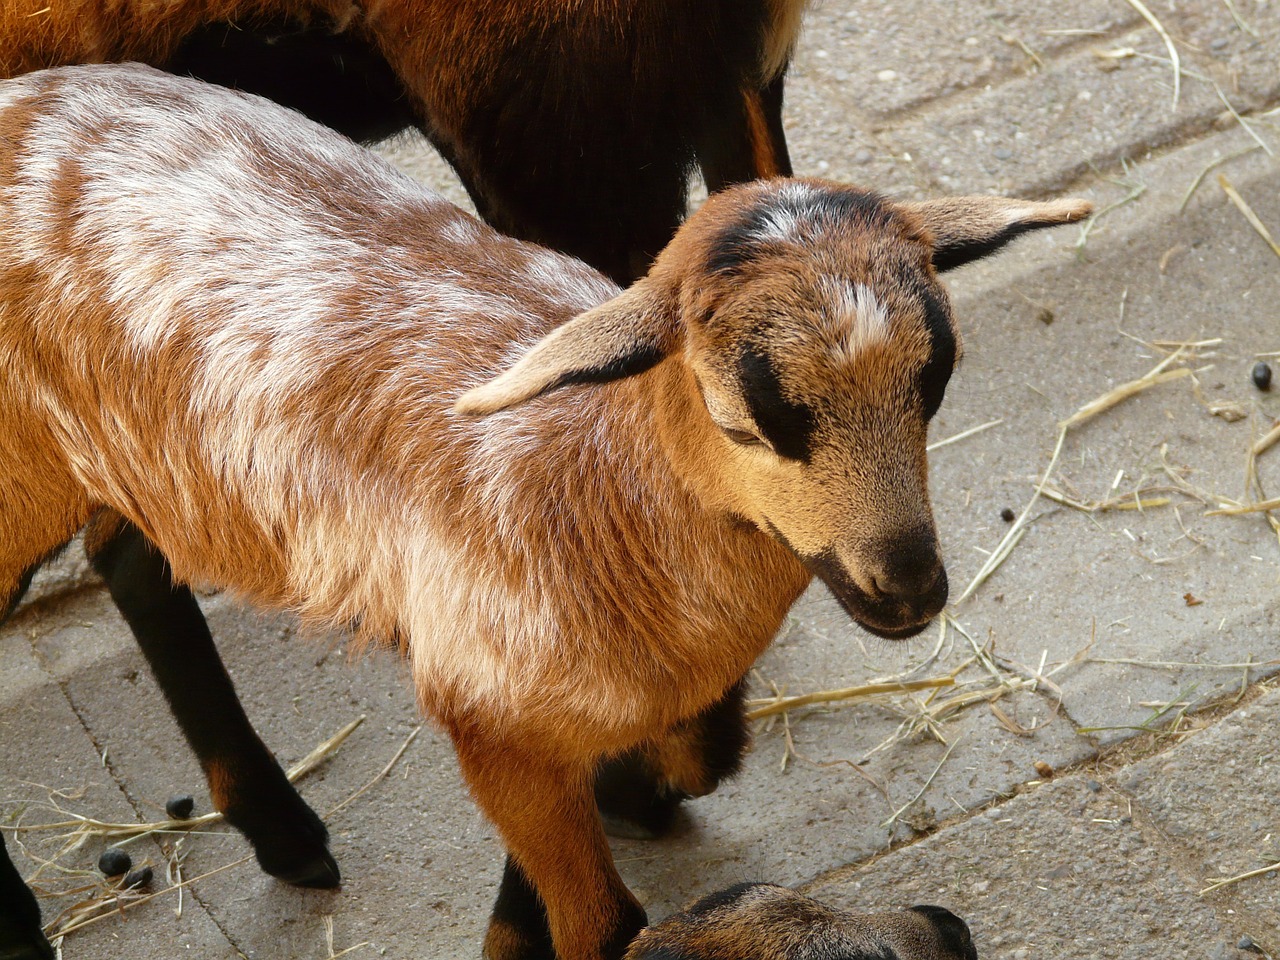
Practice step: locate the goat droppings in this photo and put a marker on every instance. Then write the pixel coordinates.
(179, 807)
(1262, 375)
(138, 878)
(114, 862)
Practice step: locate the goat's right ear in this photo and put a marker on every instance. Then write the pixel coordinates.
(624, 336)
(965, 229)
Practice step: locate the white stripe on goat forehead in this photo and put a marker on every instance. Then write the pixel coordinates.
(785, 213)
(857, 317)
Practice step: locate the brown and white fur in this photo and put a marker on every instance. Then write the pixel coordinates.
(760, 921)
(290, 368)
(575, 125)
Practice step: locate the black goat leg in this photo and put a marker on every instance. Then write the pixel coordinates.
(245, 781)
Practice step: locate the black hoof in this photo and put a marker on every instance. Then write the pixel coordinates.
(291, 842)
(319, 873)
(300, 855)
(23, 944)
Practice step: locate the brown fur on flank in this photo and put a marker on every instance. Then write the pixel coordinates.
(249, 337)
(572, 124)
(765, 922)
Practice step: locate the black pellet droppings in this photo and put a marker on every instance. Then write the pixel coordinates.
(1093, 786)
(1007, 515)
(1246, 943)
(138, 878)
(180, 807)
(114, 862)
(1262, 375)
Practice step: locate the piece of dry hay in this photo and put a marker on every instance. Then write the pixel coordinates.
(1217, 883)
(1268, 441)
(1122, 393)
(1128, 501)
(769, 706)
(1249, 215)
(1174, 59)
(964, 434)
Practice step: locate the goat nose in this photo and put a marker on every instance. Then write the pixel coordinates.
(910, 571)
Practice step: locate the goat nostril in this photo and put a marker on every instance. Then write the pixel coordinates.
(914, 583)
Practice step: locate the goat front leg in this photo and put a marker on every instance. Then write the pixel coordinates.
(544, 810)
(20, 935)
(639, 792)
(519, 926)
(245, 780)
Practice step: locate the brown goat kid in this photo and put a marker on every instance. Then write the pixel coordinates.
(254, 341)
(575, 125)
(760, 921)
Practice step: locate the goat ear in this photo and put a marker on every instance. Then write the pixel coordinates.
(969, 228)
(627, 335)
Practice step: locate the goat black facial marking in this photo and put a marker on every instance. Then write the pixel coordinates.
(936, 373)
(787, 426)
(736, 245)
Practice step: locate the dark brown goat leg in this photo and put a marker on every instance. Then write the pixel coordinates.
(639, 792)
(750, 143)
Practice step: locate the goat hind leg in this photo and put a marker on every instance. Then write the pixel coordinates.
(245, 780)
(748, 142)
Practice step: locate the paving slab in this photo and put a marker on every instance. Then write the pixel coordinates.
(50, 761)
(890, 58)
(1215, 797)
(1064, 871)
(1035, 134)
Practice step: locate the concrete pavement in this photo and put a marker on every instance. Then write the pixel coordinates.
(1126, 652)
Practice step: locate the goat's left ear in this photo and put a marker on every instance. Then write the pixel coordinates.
(624, 336)
(969, 228)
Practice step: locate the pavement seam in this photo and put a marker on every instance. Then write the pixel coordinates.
(1155, 152)
(1227, 907)
(934, 102)
(103, 754)
(1161, 739)
(1156, 144)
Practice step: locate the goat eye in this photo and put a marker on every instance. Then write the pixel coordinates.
(744, 438)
